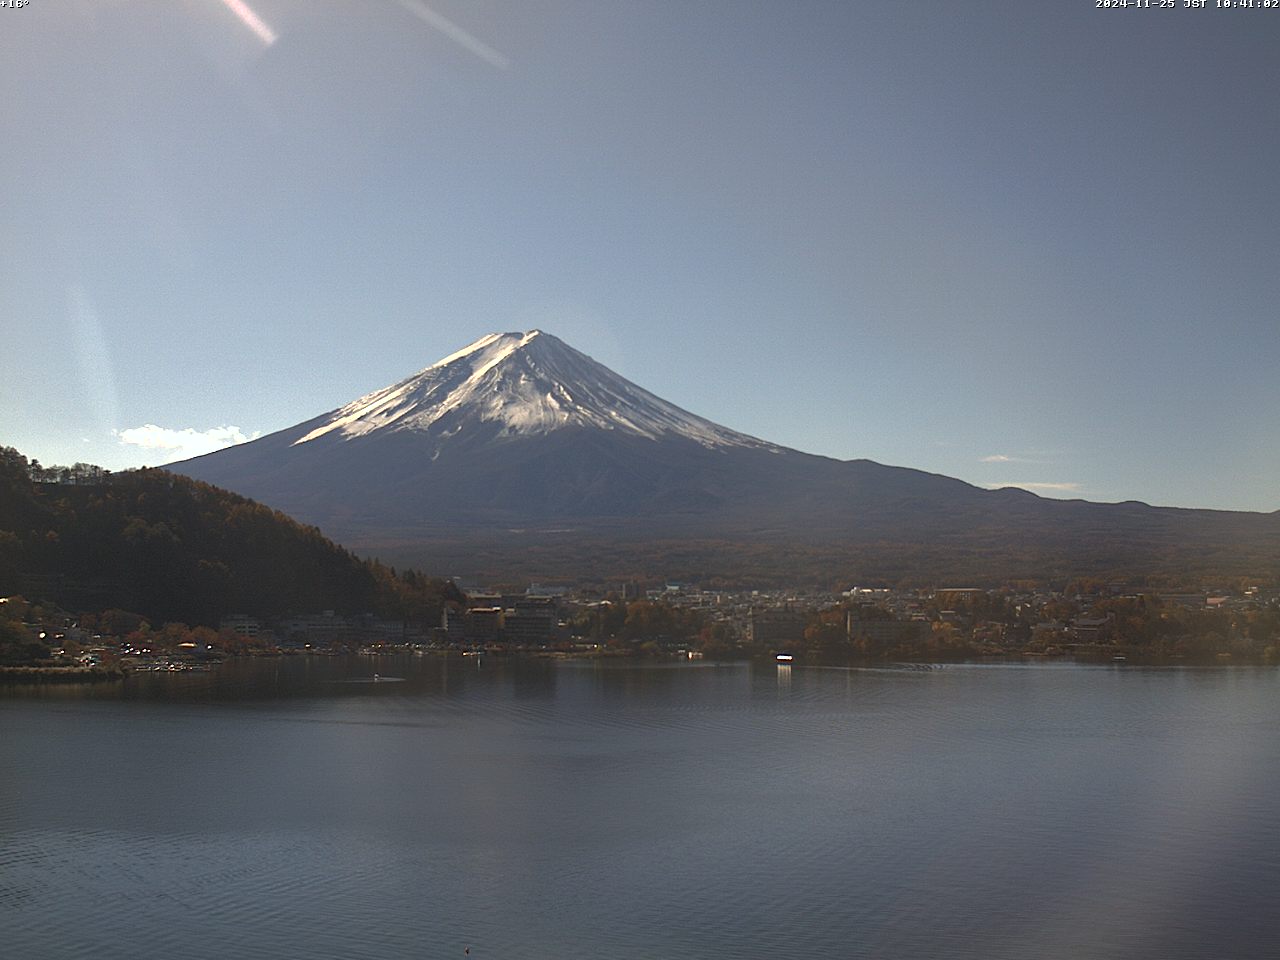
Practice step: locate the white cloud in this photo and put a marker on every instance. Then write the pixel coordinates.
(1005, 458)
(184, 443)
(1037, 487)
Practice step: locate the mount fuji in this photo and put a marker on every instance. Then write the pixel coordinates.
(511, 384)
(520, 455)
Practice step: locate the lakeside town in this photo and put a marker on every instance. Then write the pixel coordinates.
(147, 571)
(1086, 619)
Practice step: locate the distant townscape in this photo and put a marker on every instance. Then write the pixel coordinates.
(1085, 620)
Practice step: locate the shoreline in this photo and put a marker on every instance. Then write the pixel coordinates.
(38, 674)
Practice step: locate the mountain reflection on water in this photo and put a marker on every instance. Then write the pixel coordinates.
(574, 809)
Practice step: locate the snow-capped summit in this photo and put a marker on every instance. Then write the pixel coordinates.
(522, 384)
(518, 453)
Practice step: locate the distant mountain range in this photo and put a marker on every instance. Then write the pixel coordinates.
(519, 455)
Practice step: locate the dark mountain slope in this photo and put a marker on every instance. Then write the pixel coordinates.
(174, 549)
(520, 454)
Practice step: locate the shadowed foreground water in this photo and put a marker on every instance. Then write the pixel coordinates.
(573, 810)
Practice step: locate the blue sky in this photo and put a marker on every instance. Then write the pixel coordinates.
(1032, 244)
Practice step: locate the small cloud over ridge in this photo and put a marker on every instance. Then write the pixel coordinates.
(183, 443)
(1005, 458)
(1038, 487)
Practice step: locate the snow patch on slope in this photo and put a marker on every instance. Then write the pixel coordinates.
(528, 384)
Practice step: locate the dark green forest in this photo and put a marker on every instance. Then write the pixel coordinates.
(174, 549)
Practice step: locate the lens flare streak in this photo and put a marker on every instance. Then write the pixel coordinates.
(455, 33)
(251, 20)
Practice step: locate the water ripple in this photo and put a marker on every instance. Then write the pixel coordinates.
(571, 812)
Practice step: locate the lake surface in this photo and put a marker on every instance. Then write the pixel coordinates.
(535, 809)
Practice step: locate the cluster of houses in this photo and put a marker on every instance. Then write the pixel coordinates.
(520, 621)
(545, 617)
(883, 615)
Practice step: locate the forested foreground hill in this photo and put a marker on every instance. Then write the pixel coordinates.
(174, 549)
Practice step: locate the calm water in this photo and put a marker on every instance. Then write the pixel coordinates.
(572, 810)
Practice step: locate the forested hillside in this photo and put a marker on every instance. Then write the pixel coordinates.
(174, 549)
